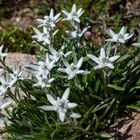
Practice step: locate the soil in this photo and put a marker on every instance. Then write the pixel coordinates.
(128, 128)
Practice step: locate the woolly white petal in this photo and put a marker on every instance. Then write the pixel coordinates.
(136, 44)
(80, 72)
(129, 37)
(111, 40)
(36, 31)
(57, 16)
(102, 53)
(66, 94)
(71, 76)
(47, 59)
(68, 53)
(75, 115)
(113, 58)
(51, 13)
(72, 105)
(66, 63)
(123, 30)
(76, 19)
(111, 33)
(93, 58)
(48, 108)
(79, 64)
(51, 99)
(98, 67)
(110, 65)
(61, 116)
(62, 70)
(65, 12)
(52, 65)
(80, 12)
(51, 80)
(52, 50)
(73, 8)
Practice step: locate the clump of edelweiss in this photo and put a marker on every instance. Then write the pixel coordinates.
(103, 60)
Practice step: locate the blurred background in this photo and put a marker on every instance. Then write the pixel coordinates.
(17, 17)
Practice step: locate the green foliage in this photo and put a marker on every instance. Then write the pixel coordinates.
(17, 40)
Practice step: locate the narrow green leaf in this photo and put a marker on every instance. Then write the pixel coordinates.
(136, 107)
(116, 87)
(105, 135)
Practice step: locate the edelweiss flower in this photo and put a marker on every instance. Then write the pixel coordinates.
(7, 81)
(1, 53)
(43, 81)
(16, 73)
(73, 15)
(47, 64)
(121, 37)
(55, 56)
(103, 60)
(49, 21)
(60, 105)
(42, 68)
(42, 72)
(44, 37)
(73, 69)
(77, 33)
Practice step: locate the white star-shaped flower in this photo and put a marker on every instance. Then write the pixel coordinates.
(44, 37)
(103, 60)
(120, 37)
(77, 33)
(73, 69)
(42, 68)
(43, 81)
(49, 21)
(42, 72)
(47, 64)
(56, 55)
(60, 105)
(73, 15)
(7, 81)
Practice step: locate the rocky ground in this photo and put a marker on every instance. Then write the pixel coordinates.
(128, 128)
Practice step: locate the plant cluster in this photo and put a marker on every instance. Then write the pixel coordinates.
(77, 90)
(16, 40)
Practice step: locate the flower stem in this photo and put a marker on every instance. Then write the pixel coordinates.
(105, 82)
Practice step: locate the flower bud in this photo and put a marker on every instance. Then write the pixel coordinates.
(87, 34)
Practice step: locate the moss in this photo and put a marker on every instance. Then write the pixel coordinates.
(16, 40)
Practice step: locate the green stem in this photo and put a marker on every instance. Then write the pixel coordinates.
(105, 82)
(116, 48)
